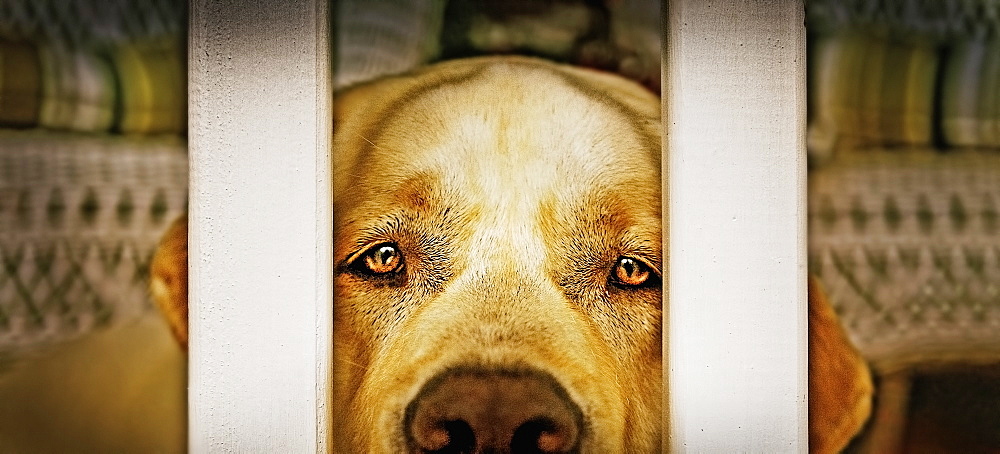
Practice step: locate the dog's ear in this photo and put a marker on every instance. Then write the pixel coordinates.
(840, 384)
(168, 281)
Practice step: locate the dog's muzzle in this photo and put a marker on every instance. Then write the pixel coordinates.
(469, 410)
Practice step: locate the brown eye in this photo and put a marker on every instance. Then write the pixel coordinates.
(630, 272)
(382, 259)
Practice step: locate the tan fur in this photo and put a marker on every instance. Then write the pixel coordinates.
(512, 185)
(840, 384)
(168, 282)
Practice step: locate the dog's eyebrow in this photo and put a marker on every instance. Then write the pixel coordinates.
(383, 228)
(406, 221)
(647, 248)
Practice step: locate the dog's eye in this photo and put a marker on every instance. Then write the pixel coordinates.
(380, 260)
(634, 273)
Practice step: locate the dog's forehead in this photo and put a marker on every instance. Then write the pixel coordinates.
(510, 128)
(514, 153)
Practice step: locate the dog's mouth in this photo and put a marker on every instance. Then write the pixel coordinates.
(475, 410)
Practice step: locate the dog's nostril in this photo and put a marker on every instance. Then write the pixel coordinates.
(445, 437)
(543, 436)
(471, 411)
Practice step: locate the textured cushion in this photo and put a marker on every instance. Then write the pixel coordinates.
(135, 87)
(78, 90)
(20, 84)
(152, 77)
(970, 94)
(93, 66)
(869, 88)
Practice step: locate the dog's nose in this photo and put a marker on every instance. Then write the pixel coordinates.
(493, 412)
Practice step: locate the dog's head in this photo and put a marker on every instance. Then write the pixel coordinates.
(498, 261)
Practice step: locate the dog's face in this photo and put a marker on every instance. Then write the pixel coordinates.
(498, 262)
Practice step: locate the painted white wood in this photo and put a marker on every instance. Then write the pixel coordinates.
(735, 120)
(260, 226)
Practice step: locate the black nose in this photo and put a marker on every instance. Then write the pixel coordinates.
(472, 411)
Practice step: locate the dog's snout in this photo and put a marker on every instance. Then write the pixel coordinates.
(493, 412)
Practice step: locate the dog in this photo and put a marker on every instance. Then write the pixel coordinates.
(498, 262)
(499, 259)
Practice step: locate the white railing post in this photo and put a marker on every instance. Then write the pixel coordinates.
(260, 226)
(735, 105)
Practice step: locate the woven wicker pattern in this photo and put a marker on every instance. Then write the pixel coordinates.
(81, 217)
(92, 22)
(908, 247)
(937, 18)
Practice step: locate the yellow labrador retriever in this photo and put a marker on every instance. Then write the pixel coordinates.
(498, 252)
(498, 262)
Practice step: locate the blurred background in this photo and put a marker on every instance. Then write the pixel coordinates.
(904, 186)
(904, 233)
(93, 169)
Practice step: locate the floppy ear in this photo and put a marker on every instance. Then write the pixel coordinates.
(840, 384)
(168, 281)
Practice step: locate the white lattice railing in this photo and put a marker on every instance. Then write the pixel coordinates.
(734, 128)
(260, 303)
